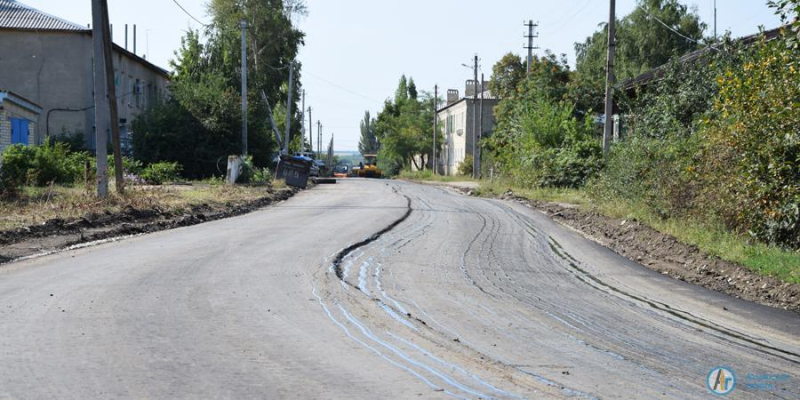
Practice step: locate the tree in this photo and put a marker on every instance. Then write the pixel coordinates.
(506, 75)
(404, 128)
(368, 144)
(203, 110)
(643, 43)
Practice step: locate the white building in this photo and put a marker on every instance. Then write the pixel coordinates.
(459, 119)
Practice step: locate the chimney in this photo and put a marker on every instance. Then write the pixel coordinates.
(473, 88)
(452, 96)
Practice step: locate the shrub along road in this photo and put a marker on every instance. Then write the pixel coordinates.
(461, 297)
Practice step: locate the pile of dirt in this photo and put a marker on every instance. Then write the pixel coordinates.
(57, 233)
(665, 254)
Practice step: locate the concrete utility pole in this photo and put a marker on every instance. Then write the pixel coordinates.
(530, 36)
(108, 57)
(435, 126)
(319, 139)
(612, 44)
(100, 123)
(715, 21)
(480, 129)
(303, 123)
(288, 137)
(244, 88)
(310, 131)
(134, 38)
(475, 120)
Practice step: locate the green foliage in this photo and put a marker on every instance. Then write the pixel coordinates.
(200, 125)
(789, 11)
(368, 143)
(161, 172)
(403, 129)
(466, 166)
(75, 141)
(506, 76)
(752, 159)
(50, 163)
(253, 174)
(642, 44)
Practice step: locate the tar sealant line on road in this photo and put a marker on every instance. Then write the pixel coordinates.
(726, 333)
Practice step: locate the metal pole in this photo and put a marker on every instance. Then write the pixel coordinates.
(244, 88)
(715, 20)
(126, 36)
(100, 114)
(310, 131)
(474, 119)
(289, 109)
(108, 59)
(435, 126)
(134, 38)
(609, 106)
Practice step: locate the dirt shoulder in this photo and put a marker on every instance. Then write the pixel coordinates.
(136, 217)
(665, 254)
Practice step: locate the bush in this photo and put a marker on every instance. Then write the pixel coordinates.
(252, 174)
(465, 167)
(161, 172)
(38, 165)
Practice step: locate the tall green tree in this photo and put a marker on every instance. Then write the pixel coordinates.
(368, 144)
(203, 109)
(643, 43)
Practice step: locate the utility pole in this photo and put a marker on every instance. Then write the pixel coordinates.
(108, 57)
(244, 88)
(310, 131)
(319, 139)
(715, 21)
(435, 126)
(609, 109)
(303, 123)
(480, 129)
(475, 120)
(289, 109)
(530, 36)
(100, 123)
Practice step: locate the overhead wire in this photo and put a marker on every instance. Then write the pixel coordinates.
(189, 14)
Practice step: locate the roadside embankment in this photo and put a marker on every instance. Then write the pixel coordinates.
(66, 218)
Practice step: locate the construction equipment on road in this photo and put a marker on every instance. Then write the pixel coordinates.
(370, 169)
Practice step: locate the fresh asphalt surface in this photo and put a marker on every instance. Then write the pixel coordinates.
(465, 298)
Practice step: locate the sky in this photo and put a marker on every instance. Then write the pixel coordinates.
(356, 50)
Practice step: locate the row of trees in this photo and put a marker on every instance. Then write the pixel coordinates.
(199, 125)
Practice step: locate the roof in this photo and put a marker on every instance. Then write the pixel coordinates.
(656, 73)
(15, 15)
(12, 97)
(487, 96)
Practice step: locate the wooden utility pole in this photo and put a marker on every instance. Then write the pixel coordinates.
(100, 122)
(435, 126)
(244, 88)
(609, 109)
(108, 57)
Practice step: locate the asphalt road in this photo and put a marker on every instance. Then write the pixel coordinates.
(458, 297)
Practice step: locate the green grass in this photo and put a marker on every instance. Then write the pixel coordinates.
(708, 236)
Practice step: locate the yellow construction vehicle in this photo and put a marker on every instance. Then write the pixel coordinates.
(369, 168)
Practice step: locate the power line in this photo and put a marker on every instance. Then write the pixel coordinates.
(189, 14)
(668, 27)
(343, 88)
